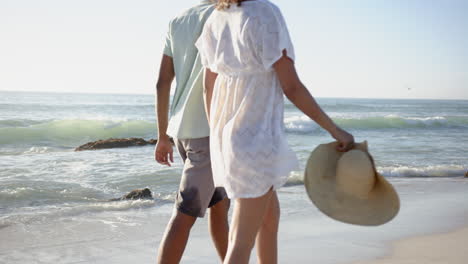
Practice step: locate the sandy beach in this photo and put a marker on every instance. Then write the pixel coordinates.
(431, 228)
(432, 249)
(433, 212)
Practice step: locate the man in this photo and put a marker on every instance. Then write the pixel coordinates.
(189, 126)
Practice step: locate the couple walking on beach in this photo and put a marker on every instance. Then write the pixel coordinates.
(233, 61)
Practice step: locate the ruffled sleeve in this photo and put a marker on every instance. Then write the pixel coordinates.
(206, 48)
(275, 38)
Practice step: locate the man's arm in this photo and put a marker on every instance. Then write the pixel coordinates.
(163, 152)
(208, 83)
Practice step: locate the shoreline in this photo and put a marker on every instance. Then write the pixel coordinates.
(431, 208)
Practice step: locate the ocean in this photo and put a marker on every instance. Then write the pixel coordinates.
(43, 179)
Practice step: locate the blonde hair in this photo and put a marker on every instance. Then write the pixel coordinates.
(224, 4)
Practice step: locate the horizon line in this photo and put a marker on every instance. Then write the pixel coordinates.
(324, 97)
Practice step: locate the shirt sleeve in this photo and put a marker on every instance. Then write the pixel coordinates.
(168, 42)
(207, 48)
(275, 38)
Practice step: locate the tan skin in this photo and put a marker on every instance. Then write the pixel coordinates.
(256, 220)
(178, 229)
(163, 152)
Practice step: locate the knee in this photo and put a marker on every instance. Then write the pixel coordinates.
(241, 241)
(181, 221)
(241, 245)
(270, 225)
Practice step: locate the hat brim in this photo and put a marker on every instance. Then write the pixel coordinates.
(380, 206)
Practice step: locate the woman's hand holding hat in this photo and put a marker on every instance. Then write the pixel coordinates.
(345, 139)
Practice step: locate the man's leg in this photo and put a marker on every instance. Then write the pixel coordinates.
(219, 227)
(194, 197)
(175, 238)
(187, 209)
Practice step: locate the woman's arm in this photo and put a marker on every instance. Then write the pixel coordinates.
(298, 94)
(208, 83)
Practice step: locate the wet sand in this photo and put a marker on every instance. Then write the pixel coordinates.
(430, 228)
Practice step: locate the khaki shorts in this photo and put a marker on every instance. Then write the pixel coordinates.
(196, 190)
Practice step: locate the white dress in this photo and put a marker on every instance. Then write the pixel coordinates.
(249, 151)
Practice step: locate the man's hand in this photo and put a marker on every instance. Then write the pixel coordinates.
(163, 151)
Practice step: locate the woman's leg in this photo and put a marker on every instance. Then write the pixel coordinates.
(267, 237)
(219, 227)
(247, 219)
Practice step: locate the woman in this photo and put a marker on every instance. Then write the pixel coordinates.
(249, 60)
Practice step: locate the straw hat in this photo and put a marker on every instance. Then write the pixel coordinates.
(346, 186)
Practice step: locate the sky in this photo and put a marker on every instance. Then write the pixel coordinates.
(344, 48)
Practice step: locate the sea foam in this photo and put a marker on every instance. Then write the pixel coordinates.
(30, 215)
(303, 124)
(297, 177)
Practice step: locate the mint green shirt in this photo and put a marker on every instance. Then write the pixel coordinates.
(187, 113)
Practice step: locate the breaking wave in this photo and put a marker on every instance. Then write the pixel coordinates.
(302, 124)
(70, 133)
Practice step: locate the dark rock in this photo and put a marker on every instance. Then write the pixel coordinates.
(466, 174)
(136, 195)
(154, 141)
(116, 143)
